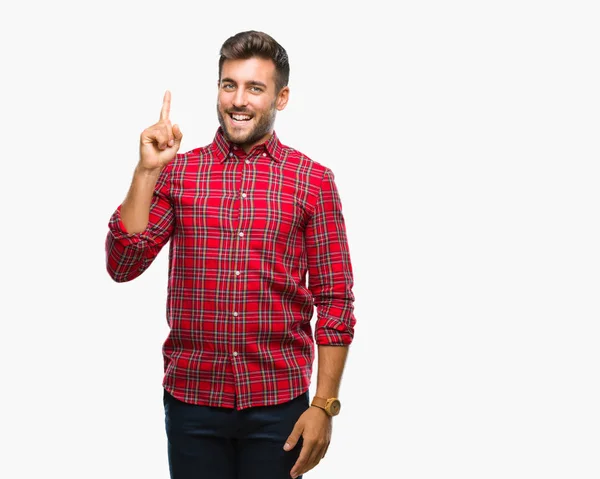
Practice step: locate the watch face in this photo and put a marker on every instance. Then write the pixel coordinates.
(334, 407)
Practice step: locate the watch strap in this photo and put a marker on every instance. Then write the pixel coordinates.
(319, 402)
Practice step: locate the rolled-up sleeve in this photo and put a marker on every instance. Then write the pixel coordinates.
(330, 277)
(129, 255)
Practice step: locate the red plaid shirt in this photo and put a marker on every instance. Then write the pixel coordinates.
(245, 230)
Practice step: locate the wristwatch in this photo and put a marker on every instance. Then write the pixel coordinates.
(331, 406)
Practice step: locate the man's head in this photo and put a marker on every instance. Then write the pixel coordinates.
(253, 78)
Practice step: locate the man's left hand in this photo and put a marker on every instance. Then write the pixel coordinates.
(315, 427)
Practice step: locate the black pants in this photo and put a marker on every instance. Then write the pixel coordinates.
(220, 443)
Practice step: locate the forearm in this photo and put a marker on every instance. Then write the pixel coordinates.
(135, 209)
(332, 360)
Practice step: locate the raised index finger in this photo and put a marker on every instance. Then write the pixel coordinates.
(166, 107)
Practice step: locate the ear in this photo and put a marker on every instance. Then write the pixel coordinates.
(282, 98)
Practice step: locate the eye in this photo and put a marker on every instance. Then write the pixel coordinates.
(255, 89)
(228, 86)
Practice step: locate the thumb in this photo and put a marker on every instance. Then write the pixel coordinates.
(293, 438)
(177, 134)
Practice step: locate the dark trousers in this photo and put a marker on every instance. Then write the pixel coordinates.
(207, 442)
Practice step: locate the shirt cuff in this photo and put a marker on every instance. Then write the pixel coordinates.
(119, 232)
(334, 332)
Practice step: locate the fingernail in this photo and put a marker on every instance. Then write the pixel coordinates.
(286, 447)
(171, 142)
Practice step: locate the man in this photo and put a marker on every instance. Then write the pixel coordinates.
(248, 218)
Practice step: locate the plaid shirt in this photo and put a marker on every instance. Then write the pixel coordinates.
(245, 230)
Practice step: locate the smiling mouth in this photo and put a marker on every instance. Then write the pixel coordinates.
(239, 117)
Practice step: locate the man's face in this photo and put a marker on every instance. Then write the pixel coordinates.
(248, 102)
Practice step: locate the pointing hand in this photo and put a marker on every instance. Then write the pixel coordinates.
(160, 142)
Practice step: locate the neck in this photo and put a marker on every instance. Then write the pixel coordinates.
(247, 147)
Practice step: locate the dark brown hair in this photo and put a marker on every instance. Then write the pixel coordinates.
(250, 44)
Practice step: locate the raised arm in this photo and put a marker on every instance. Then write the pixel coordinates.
(143, 223)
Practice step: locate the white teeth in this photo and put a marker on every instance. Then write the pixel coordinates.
(240, 117)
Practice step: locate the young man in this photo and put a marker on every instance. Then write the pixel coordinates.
(248, 218)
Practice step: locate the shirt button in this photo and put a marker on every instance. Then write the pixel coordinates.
(235, 313)
(243, 195)
(230, 154)
(247, 162)
(264, 154)
(235, 353)
(241, 233)
(237, 273)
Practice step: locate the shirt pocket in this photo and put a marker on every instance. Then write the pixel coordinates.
(205, 213)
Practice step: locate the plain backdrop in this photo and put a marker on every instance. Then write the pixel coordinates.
(464, 141)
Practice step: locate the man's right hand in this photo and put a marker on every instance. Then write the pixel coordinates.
(160, 142)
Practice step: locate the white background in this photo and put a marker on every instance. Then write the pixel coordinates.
(464, 141)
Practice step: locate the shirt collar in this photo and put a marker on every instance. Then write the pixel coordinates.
(221, 147)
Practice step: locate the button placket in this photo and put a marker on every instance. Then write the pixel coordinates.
(241, 245)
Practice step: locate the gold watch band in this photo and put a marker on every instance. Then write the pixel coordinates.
(319, 402)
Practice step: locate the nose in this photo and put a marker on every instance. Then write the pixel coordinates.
(240, 98)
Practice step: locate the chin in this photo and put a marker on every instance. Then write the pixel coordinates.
(238, 138)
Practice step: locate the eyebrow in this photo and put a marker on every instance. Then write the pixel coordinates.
(253, 82)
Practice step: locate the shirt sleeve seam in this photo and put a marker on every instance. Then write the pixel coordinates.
(318, 196)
